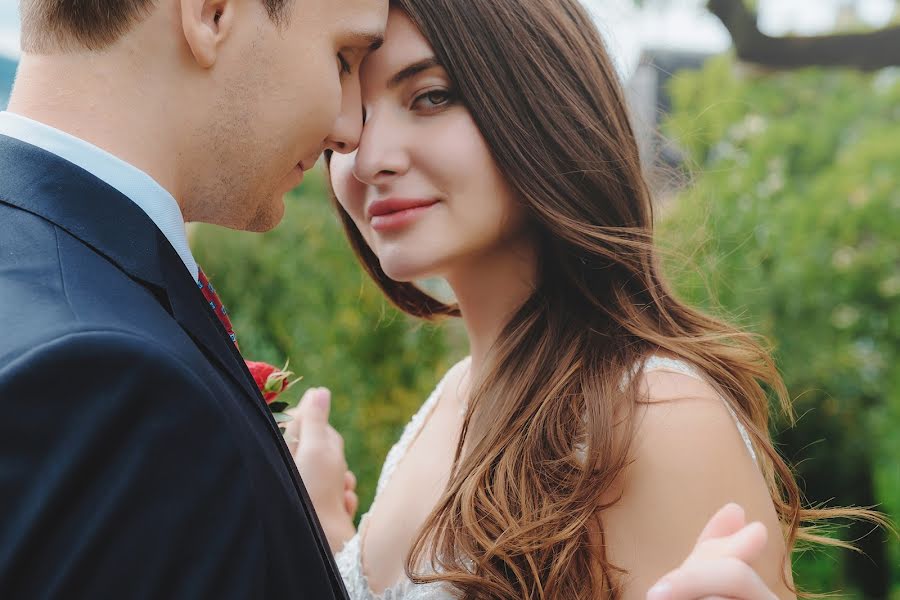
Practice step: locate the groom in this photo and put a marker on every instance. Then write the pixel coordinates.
(137, 458)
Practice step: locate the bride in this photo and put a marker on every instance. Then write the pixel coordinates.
(599, 421)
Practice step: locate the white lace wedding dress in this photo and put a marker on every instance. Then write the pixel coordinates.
(349, 559)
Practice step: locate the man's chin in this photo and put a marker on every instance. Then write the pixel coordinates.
(267, 217)
(260, 218)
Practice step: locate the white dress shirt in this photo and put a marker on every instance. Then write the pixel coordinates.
(133, 183)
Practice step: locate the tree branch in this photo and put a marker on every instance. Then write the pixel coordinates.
(865, 51)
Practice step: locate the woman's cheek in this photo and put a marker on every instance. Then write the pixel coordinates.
(342, 184)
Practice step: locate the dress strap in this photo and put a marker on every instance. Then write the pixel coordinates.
(661, 363)
(412, 429)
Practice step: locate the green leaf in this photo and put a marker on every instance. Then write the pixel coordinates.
(282, 418)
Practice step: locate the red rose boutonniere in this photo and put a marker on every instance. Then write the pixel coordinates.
(272, 382)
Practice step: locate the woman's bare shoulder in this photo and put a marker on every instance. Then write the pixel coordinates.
(688, 460)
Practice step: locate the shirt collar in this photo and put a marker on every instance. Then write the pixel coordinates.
(136, 185)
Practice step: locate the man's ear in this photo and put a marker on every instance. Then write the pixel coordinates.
(206, 24)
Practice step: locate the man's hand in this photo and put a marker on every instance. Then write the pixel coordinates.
(318, 451)
(719, 565)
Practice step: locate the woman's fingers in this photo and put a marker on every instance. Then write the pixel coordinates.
(719, 564)
(746, 545)
(728, 520)
(702, 579)
(351, 500)
(319, 456)
(351, 503)
(314, 409)
(292, 429)
(336, 438)
(311, 416)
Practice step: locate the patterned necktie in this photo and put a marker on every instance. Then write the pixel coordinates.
(269, 380)
(209, 292)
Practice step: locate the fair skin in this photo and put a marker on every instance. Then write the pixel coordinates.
(421, 148)
(236, 106)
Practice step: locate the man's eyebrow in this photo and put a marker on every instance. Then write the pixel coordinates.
(413, 70)
(369, 41)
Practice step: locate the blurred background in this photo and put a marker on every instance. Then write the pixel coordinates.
(771, 133)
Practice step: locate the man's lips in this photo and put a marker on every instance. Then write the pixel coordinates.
(309, 162)
(389, 206)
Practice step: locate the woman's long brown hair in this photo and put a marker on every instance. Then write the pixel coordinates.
(520, 517)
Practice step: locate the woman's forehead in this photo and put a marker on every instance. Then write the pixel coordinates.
(403, 45)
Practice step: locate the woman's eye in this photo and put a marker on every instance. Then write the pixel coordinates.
(433, 99)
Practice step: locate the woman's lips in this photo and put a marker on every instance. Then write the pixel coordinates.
(395, 213)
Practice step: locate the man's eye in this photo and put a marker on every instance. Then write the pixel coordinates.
(344, 65)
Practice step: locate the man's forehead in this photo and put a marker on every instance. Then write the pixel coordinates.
(368, 8)
(365, 18)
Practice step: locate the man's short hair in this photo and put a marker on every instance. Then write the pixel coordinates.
(53, 25)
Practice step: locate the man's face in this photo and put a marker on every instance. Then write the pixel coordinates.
(286, 92)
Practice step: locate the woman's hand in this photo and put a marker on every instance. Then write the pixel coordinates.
(318, 451)
(719, 565)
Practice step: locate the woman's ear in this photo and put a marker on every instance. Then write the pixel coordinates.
(206, 24)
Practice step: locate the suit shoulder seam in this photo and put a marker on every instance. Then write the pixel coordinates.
(62, 277)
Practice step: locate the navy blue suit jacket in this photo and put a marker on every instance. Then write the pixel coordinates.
(137, 458)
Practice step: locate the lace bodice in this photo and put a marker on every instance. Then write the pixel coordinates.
(349, 559)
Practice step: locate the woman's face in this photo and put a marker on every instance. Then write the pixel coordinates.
(422, 188)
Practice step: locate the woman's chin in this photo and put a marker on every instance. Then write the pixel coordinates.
(403, 272)
(400, 276)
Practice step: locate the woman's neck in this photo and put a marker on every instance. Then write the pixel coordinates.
(490, 289)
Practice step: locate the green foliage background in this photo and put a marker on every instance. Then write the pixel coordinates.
(297, 292)
(793, 225)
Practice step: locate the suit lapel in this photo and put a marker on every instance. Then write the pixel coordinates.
(190, 309)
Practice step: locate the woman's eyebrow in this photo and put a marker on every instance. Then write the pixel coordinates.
(413, 70)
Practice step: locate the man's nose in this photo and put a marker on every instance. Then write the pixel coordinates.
(344, 137)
